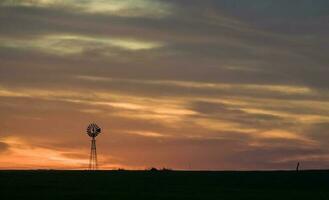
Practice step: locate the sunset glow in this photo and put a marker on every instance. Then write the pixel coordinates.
(208, 84)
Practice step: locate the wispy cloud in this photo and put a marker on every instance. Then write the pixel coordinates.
(77, 44)
(131, 8)
(147, 134)
(21, 154)
(284, 89)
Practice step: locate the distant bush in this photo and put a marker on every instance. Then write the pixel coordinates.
(153, 169)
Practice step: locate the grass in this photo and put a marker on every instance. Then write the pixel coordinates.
(157, 185)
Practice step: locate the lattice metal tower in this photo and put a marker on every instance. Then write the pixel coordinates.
(93, 130)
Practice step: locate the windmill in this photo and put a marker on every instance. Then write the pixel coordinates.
(93, 130)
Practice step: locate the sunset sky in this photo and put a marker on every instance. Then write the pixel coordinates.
(182, 84)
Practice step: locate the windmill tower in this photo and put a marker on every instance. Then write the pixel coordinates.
(93, 130)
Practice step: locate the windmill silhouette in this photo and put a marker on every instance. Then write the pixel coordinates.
(93, 130)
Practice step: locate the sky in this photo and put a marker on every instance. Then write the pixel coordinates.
(180, 84)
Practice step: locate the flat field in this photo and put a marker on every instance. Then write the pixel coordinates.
(120, 185)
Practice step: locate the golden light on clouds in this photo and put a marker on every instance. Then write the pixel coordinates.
(282, 134)
(22, 154)
(147, 134)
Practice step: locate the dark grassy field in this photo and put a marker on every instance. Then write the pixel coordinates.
(119, 185)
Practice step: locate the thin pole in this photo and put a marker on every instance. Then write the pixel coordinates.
(95, 151)
(93, 165)
(91, 155)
